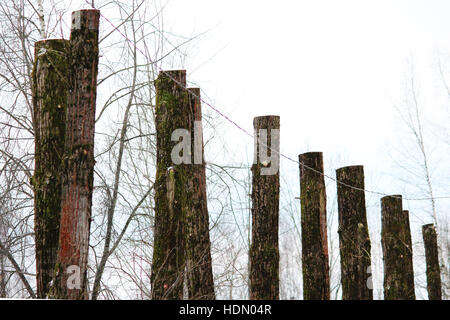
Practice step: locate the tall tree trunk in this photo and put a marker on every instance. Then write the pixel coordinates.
(354, 241)
(316, 278)
(172, 112)
(432, 260)
(397, 250)
(264, 251)
(408, 252)
(49, 92)
(78, 174)
(198, 245)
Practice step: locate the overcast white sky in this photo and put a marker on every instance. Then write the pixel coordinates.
(331, 69)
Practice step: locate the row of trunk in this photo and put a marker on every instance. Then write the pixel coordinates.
(64, 94)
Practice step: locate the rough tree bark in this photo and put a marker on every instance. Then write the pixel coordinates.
(172, 112)
(354, 241)
(397, 250)
(49, 94)
(432, 260)
(264, 251)
(198, 245)
(316, 279)
(78, 167)
(409, 251)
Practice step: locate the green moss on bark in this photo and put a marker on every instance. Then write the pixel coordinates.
(200, 280)
(78, 163)
(354, 241)
(264, 250)
(172, 112)
(49, 93)
(433, 270)
(397, 250)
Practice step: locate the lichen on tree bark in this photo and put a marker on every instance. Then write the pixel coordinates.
(49, 94)
(431, 256)
(397, 250)
(172, 112)
(354, 241)
(316, 280)
(198, 245)
(264, 250)
(78, 165)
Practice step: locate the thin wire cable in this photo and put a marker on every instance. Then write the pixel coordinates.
(253, 137)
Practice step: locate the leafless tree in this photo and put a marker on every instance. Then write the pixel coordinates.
(417, 161)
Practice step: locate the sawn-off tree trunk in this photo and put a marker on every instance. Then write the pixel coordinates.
(49, 95)
(354, 241)
(198, 245)
(172, 112)
(316, 279)
(78, 168)
(397, 250)
(434, 286)
(264, 250)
